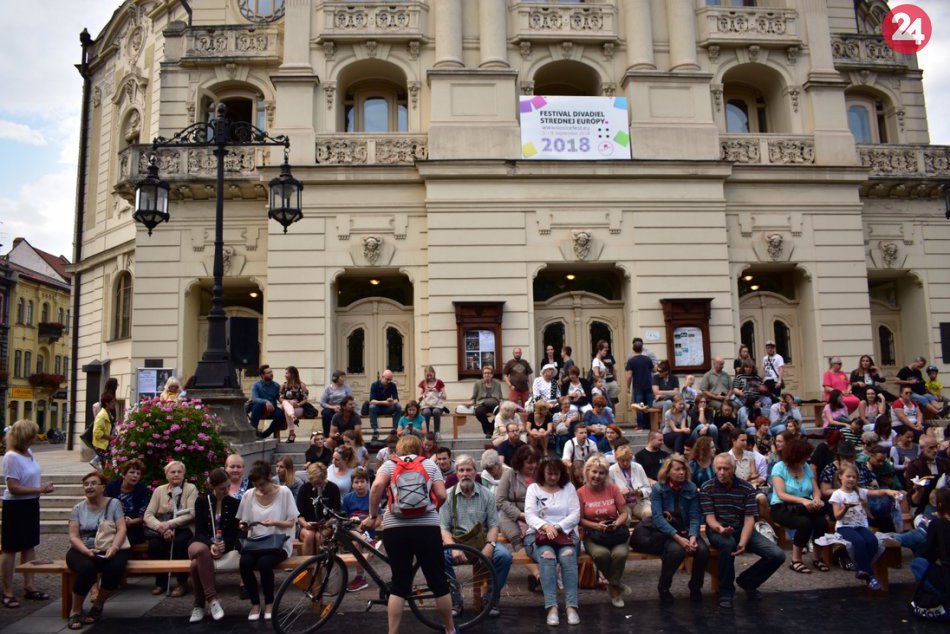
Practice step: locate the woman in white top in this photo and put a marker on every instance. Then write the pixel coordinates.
(266, 509)
(552, 512)
(546, 386)
(507, 413)
(632, 481)
(21, 509)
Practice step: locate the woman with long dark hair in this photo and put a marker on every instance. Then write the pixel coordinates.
(293, 400)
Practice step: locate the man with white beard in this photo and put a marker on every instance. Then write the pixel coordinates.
(469, 516)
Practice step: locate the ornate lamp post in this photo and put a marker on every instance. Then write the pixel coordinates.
(215, 370)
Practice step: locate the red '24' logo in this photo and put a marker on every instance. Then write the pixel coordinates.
(907, 29)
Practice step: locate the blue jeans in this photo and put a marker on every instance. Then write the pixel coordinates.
(923, 400)
(257, 413)
(713, 433)
(567, 557)
(386, 410)
(500, 561)
(864, 545)
(771, 558)
(645, 397)
(915, 540)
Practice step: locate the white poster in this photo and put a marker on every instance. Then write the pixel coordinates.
(150, 382)
(574, 128)
(688, 346)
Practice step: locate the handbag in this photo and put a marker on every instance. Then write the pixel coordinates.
(648, 539)
(270, 543)
(609, 539)
(229, 561)
(474, 537)
(561, 539)
(105, 534)
(431, 399)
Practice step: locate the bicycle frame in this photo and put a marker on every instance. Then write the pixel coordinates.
(342, 540)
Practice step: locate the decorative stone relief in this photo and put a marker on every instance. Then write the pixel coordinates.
(791, 151)
(329, 90)
(227, 254)
(371, 48)
(567, 48)
(190, 110)
(525, 48)
(740, 150)
(527, 88)
(396, 151)
(609, 48)
(342, 151)
(717, 96)
(96, 96)
(133, 127)
(610, 89)
(775, 242)
(270, 110)
(581, 241)
(794, 93)
(371, 247)
(414, 88)
(413, 48)
(713, 52)
(329, 50)
(136, 39)
(792, 53)
(889, 252)
(754, 52)
(900, 118)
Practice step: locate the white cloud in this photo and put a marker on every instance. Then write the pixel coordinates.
(42, 212)
(20, 133)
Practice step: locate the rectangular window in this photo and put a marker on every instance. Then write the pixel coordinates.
(66, 367)
(27, 363)
(58, 364)
(18, 363)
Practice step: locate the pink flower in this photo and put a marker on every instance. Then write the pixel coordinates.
(156, 436)
(175, 427)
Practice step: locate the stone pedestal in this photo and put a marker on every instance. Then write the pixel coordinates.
(228, 405)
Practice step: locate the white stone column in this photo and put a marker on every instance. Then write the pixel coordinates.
(297, 35)
(639, 34)
(681, 21)
(493, 32)
(448, 34)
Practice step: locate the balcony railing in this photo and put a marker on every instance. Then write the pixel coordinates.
(376, 149)
(378, 21)
(748, 25)
(563, 21)
(245, 44)
(903, 161)
(767, 149)
(865, 51)
(50, 331)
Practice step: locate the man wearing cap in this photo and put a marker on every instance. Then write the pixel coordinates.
(910, 376)
(773, 369)
(546, 387)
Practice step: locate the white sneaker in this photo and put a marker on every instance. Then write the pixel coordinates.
(254, 616)
(553, 619)
(217, 612)
(573, 618)
(197, 615)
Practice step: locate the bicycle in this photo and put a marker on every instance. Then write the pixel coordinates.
(314, 590)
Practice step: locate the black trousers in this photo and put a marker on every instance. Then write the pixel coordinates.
(808, 525)
(87, 569)
(481, 413)
(159, 549)
(423, 543)
(262, 563)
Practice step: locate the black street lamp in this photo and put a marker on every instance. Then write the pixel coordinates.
(215, 370)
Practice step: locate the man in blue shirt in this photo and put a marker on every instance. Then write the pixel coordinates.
(264, 404)
(640, 380)
(383, 399)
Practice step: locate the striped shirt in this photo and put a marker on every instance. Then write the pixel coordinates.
(431, 516)
(459, 513)
(729, 505)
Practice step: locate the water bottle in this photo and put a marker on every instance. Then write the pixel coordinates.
(218, 536)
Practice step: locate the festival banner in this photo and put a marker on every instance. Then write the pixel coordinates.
(574, 128)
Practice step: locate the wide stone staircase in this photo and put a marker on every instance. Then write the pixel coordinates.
(56, 507)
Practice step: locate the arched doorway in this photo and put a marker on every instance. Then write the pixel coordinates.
(374, 334)
(765, 315)
(580, 319)
(886, 333)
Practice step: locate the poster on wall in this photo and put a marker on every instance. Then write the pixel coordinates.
(479, 349)
(574, 128)
(688, 346)
(149, 382)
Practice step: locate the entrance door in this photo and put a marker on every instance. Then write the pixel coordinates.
(764, 316)
(886, 332)
(580, 319)
(372, 335)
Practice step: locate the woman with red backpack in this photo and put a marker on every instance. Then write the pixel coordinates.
(415, 488)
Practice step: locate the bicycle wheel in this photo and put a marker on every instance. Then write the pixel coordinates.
(309, 595)
(472, 586)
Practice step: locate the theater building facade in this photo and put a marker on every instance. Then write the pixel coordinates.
(780, 185)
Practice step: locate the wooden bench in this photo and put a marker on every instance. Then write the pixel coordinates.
(459, 420)
(136, 568)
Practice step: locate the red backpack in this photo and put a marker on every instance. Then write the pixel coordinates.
(410, 488)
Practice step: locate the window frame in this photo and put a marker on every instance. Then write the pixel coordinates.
(756, 106)
(17, 364)
(876, 117)
(29, 312)
(27, 363)
(122, 308)
(356, 96)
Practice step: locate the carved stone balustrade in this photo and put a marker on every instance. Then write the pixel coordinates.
(767, 149)
(371, 149)
(853, 51)
(905, 171)
(588, 23)
(191, 172)
(747, 26)
(373, 20)
(235, 44)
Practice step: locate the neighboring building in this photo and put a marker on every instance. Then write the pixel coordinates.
(37, 355)
(781, 169)
(7, 284)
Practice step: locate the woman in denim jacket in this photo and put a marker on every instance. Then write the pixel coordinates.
(675, 503)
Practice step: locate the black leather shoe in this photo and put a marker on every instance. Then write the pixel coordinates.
(666, 596)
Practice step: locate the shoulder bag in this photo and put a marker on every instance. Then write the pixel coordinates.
(105, 534)
(264, 544)
(474, 537)
(229, 561)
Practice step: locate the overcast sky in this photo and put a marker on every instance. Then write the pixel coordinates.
(40, 106)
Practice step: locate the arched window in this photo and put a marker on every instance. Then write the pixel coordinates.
(859, 121)
(28, 410)
(567, 78)
(20, 311)
(885, 340)
(737, 117)
(747, 335)
(29, 313)
(262, 11)
(783, 340)
(40, 363)
(867, 118)
(553, 336)
(122, 309)
(243, 106)
(600, 331)
(394, 350)
(44, 313)
(355, 352)
(376, 107)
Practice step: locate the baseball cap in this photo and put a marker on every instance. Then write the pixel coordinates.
(932, 368)
(769, 343)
